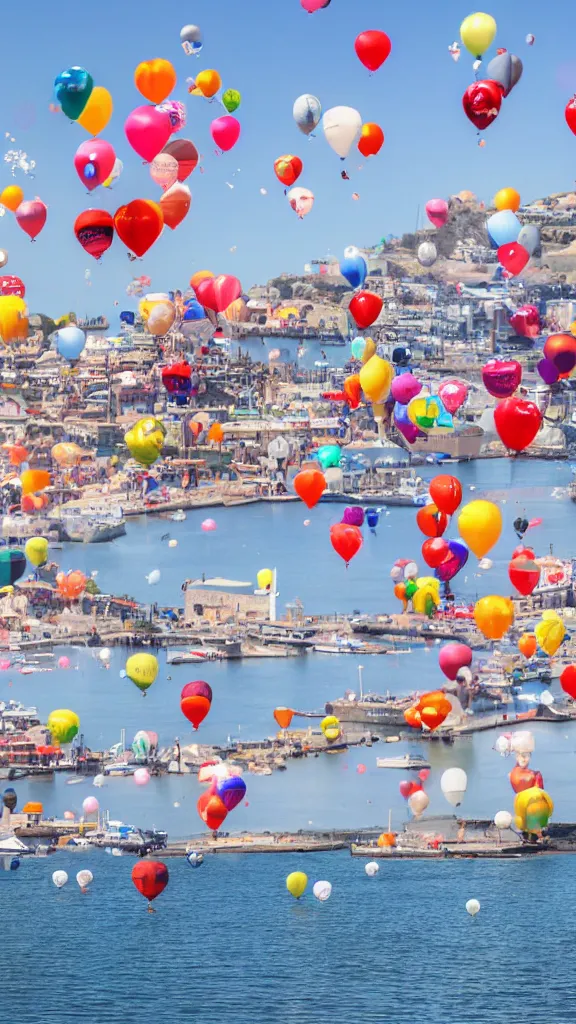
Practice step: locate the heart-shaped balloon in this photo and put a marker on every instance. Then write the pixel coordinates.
(513, 257)
(524, 575)
(526, 322)
(408, 787)
(365, 307)
(570, 114)
(139, 224)
(525, 778)
(148, 130)
(217, 293)
(455, 561)
(482, 102)
(437, 211)
(517, 423)
(231, 791)
(453, 394)
(94, 161)
(404, 388)
(501, 378)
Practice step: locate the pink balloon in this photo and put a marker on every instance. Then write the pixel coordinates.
(148, 130)
(313, 5)
(208, 525)
(453, 657)
(225, 132)
(69, 815)
(31, 216)
(90, 805)
(141, 776)
(4, 664)
(63, 662)
(164, 170)
(94, 162)
(453, 394)
(405, 388)
(437, 212)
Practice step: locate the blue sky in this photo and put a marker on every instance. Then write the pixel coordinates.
(272, 51)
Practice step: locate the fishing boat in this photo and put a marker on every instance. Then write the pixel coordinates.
(410, 762)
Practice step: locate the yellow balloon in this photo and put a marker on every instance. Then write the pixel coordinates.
(296, 884)
(428, 581)
(533, 809)
(97, 111)
(161, 318)
(142, 669)
(369, 350)
(507, 199)
(63, 725)
(145, 440)
(424, 412)
(66, 453)
(573, 329)
(207, 83)
(36, 550)
(330, 727)
(422, 598)
(13, 318)
(494, 615)
(264, 578)
(11, 197)
(477, 32)
(376, 378)
(550, 632)
(480, 526)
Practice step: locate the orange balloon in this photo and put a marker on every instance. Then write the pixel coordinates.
(371, 139)
(507, 199)
(432, 717)
(400, 591)
(412, 716)
(216, 433)
(527, 645)
(11, 197)
(175, 204)
(200, 275)
(283, 716)
(155, 79)
(310, 485)
(431, 521)
(207, 83)
(494, 615)
(33, 480)
(386, 839)
(71, 584)
(18, 454)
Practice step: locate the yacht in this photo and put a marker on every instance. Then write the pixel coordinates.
(12, 711)
(394, 487)
(119, 769)
(92, 525)
(409, 762)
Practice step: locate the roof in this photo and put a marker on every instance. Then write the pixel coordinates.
(218, 581)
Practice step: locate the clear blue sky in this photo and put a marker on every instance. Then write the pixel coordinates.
(272, 51)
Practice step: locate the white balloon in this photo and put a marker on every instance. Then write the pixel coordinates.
(472, 907)
(503, 819)
(522, 742)
(427, 254)
(322, 891)
(307, 111)
(547, 698)
(301, 200)
(418, 802)
(172, 543)
(372, 868)
(84, 878)
(485, 563)
(99, 781)
(502, 745)
(453, 785)
(351, 252)
(154, 576)
(105, 654)
(342, 127)
(59, 878)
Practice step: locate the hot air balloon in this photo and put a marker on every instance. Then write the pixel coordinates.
(142, 669)
(446, 493)
(288, 169)
(155, 79)
(307, 112)
(437, 211)
(195, 702)
(145, 440)
(94, 162)
(480, 525)
(296, 883)
(453, 657)
(71, 584)
(365, 307)
(533, 809)
(150, 878)
(225, 132)
(283, 717)
(301, 200)
(453, 784)
(482, 101)
(217, 293)
(139, 224)
(472, 907)
(310, 485)
(36, 550)
(59, 879)
(494, 615)
(342, 127)
(550, 632)
(265, 578)
(212, 810)
(371, 139)
(376, 378)
(70, 342)
(346, 541)
(31, 216)
(94, 229)
(72, 90)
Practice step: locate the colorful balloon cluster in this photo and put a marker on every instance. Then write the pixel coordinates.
(515, 244)
(483, 99)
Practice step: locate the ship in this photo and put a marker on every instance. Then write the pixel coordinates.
(462, 444)
(395, 487)
(91, 525)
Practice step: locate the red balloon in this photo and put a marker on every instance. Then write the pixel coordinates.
(407, 787)
(139, 224)
(482, 102)
(31, 216)
(212, 810)
(176, 377)
(217, 293)
(346, 540)
(372, 49)
(195, 709)
(365, 307)
(434, 551)
(10, 285)
(288, 169)
(197, 689)
(525, 778)
(310, 485)
(522, 552)
(526, 321)
(423, 774)
(431, 520)
(150, 878)
(568, 681)
(446, 493)
(513, 257)
(570, 114)
(94, 229)
(501, 377)
(517, 423)
(524, 575)
(185, 153)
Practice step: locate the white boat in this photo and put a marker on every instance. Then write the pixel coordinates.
(178, 516)
(190, 657)
(119, 769)
(11, 844)
(410, 762)
(92, 525)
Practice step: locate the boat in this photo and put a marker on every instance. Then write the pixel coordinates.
(461, 444)
(92, 525)
(190, 657)
(410, 762)
(282, 635)
(372, 709)
(347, 645)
(398, 487)
(178, 516)
(119, 769)
(16, 715)
(206, 649)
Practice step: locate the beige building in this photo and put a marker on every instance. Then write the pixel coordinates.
(224, 606)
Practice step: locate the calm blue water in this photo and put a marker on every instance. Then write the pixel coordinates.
(227, 940)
